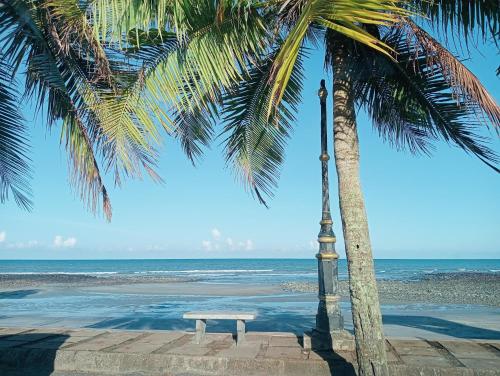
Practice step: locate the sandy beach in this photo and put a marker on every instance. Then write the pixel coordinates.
(438, 305)
(441, 288)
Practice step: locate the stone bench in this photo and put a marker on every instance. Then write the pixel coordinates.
(202, 317)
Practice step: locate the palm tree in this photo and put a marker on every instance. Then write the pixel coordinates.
(424, 94)
(83, 63)
(72, 76)
(189, 64)
(111, 78)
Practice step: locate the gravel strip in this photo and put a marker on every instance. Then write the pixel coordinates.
(9, 281)
(443, 288)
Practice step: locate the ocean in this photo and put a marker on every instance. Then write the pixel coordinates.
(256, 288)
(243, 270)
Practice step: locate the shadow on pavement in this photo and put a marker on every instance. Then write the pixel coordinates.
(29, 353)
(441, 326)
(337, 363)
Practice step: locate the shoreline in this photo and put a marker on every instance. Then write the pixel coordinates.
(464, 288)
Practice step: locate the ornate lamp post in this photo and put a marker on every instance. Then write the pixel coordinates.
(329, 320)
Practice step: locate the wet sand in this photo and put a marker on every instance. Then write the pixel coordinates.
(445, 288)
(441, 306)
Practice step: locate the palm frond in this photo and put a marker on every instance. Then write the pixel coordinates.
(465, 85)
(412, 101)
(466, 17)
(60, 78)
(85, 172)
(255, 142)
(342, 16)
(195, 129)
(210, 58)
(15, 171)
(183, 72)
(112, 19)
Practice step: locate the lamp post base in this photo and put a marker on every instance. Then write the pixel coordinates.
(337, 340)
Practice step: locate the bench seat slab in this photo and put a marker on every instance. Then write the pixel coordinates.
(223, 315)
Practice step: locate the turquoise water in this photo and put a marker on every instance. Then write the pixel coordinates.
(244, 270)
(116, 308)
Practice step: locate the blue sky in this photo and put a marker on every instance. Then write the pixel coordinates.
(446, 206)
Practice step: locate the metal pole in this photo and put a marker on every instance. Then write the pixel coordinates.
(329, 317)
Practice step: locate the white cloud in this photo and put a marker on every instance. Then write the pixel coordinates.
(248, 245)
(217, 242)
(206, 245)
(156, 247)
(3, 235)
(23, 245)
(216, 234)
(60, 242)
(313, 245)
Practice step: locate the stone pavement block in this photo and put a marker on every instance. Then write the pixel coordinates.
(408, 343)
(465, 349)
(83, 332)
(425, 361)
(481, 363)
(419, 351)
(284, 341)
(190, 348)
(308, 368)
(217, 337)
(138, 348)
(243, 351)
(102, 341)
(10, 331)
(246, 367)
(46, 345)
(49, 330)
(258, 337)
(162, 338)
(415, 348)
(332, 356)
(148, 344)
(276, 352)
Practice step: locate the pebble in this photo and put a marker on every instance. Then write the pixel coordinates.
(439, 288)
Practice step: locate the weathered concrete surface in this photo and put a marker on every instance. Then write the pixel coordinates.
(63, 352)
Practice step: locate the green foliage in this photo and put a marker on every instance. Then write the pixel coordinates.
(15, 169)
(255, 141)
(466, 17)
(116, 73)
(413, 101)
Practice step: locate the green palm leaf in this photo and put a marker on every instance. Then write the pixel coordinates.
(344, 17)
(59, 79)
(465, 16)
(413, 101)
(255, 142)
(15, 171)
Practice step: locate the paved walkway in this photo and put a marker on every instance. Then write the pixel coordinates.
(62, 351)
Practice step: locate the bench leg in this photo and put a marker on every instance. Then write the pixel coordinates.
(200, 330)
(240, 331)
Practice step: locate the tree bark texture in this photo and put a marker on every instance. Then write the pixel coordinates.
(367, 319)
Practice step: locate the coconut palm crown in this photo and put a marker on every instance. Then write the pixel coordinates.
(113, 74)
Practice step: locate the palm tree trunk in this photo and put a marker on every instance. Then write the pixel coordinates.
(367, 319)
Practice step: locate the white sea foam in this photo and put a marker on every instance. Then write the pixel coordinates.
(57, 273)
(206, 271)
